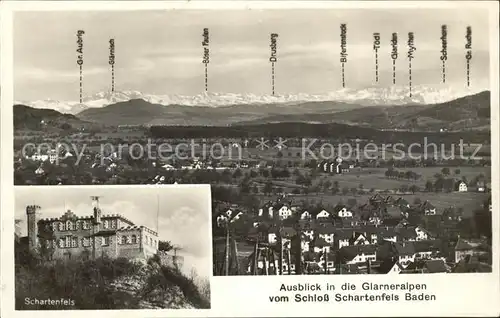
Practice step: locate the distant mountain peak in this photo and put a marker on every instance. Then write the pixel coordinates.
(370, 96)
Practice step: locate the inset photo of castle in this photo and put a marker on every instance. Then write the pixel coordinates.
(109, 247)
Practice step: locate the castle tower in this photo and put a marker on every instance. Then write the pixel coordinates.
(96, 223)
(31, 211)
(96, 210)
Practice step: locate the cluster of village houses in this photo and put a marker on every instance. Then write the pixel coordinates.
(339, 242)
(112, 161)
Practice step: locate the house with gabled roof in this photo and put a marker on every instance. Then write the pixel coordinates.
(386, 233)
(369, 210)
(427, 249)
(405, 252)
(481, 186)
(402, 203)
(325, 260)
(359, 238)
(342, 238)
(427, 208)
(320, 245)
(462, 249)
(266, 209)
(390, 266)
(376, 199)
(322, 214)
(422, 234)
(281, 210)
(471, 264)
(371, 234)
(357, 254)
(435, 266)
(305, 215)
(342, 211)
(461, 186)
(345, 269)
(326, 232)
(405, 233)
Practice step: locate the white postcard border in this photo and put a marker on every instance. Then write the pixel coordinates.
(458, 295)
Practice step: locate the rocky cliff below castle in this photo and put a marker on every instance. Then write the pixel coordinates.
(104, 283)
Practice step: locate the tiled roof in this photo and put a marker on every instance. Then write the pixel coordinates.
(471, 265)
(427, 245)
(462, 245)
(427, 205)
(436, 266)
(349, 252)
(406, 232)
(387, 265)
(327, 229)
(404, 248)
(320, 242)
(343, 234)
(339, 207)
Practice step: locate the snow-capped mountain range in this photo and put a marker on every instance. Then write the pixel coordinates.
(372, 96)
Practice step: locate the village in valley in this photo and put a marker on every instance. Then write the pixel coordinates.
(278, 212)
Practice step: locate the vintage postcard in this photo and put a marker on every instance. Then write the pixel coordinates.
(332, 149)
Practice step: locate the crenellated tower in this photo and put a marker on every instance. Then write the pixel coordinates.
(96, 210)
(31, 211)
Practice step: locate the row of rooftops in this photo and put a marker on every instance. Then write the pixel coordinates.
(390, 249)
(403, 233)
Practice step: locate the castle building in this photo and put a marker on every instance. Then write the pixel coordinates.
(71, 236)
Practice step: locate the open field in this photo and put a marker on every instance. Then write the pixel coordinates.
(375, 177)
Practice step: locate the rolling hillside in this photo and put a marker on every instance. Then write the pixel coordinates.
(30, 118)
(141, 112)
(466, 113)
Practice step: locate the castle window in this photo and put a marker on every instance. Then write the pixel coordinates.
(105, 241)
(74, 242)
(69, 226)
(61, 226)
(85, 225)
(68, 241)
(146, 241)
(124, 240)
(54, 226)
(113, 224)
(61, 243)
(105, 224)
(77, 225)
(150, 241)
(134, 239)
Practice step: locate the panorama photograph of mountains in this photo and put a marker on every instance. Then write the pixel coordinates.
(331, 146)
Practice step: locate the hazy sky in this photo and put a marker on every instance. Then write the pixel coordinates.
(160, 52)
(184, 213)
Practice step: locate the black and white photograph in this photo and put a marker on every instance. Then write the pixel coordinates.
(108, 247)
(331, 146)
